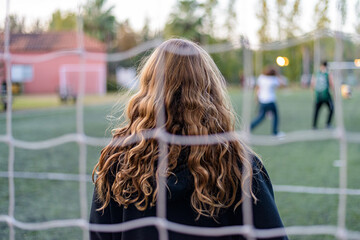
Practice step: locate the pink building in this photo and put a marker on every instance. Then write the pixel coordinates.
(50, 63)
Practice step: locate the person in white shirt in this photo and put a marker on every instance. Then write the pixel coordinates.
(266, 86)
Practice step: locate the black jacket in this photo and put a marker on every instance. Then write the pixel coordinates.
(179, 210)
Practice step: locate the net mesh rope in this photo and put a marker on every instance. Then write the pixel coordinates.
(160, 222)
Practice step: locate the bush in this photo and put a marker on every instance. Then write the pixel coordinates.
(111, 84)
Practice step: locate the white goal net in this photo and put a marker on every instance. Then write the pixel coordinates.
(83, 141)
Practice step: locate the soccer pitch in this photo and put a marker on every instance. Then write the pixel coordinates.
(310, 163)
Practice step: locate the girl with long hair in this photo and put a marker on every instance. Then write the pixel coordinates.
(205, 183)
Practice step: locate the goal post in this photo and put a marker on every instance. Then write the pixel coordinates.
(95, 79)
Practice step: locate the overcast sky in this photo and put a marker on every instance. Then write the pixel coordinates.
(158, 10)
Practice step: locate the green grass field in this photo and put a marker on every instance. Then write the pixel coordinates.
(22, 102)
(301, 163)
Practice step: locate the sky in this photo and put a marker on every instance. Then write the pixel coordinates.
(157, 11)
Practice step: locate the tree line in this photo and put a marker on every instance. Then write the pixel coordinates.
(197, 20)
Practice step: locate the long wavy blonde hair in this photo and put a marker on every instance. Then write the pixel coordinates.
(195, 102)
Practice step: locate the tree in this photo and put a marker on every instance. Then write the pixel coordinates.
(292, 20)
(263, 15)
(321, 14)
(126, 37)
(62, 21)
(287, 18)
(37, 27)
(357, 16)
(185, 21)
(190, 19)
(99, 22)
(280, 6)
(230, 18)
(208, 17)
(341, 6)
(16, 24)
(145, 31)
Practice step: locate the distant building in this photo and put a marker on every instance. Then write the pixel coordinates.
(40, 63)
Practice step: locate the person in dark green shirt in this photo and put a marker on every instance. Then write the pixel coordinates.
(322, 83)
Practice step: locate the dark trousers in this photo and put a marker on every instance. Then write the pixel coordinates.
(263, 109)
(318, 104)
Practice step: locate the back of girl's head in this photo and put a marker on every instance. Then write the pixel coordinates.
(181, 79)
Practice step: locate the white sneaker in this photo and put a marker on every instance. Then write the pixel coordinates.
(280, 134)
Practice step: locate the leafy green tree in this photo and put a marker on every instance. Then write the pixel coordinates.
(184, 21)
(288, 15)
(321, 14)
(195, 21)
(230, 64)
(99, 21)
(263, 16)
(126, 37)
(62, 21)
